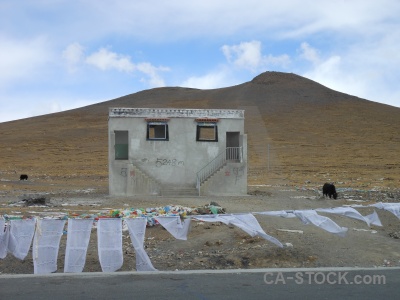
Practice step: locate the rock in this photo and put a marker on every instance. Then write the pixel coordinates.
(386, 263)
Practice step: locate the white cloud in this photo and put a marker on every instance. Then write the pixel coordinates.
(327, 70)
(22, 59)
(351, 46)
(160, 20)
(247, 55)
(175, 19)
(155, 80)
(73, 55)
(212, 80)
(282, 60)
(309, 53)
(356, 72)
(41, 104)
(107, 60)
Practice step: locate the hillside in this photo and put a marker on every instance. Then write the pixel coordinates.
(313, 135)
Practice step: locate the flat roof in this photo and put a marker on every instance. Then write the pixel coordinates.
(175, 113)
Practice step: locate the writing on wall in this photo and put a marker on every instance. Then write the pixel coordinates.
(238, 172)
(124, 172)
(160, 162)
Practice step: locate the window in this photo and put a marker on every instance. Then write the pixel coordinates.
(121, 145)
(207, 132)
(157, 131)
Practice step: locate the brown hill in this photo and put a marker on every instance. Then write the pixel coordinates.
(298, 131)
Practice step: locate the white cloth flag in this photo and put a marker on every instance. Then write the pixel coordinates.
(311, 216)
(214, 218)
(137, 229)
(78, 237)
(247, 222)
(20, 237)
(277, 213)
(394, 208)
(109, 243)
(350, 212)
(373, 219)
(173, 224)
(46, 244)
(4, 234)
(307, 217)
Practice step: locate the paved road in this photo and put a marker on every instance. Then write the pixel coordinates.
(326, 283)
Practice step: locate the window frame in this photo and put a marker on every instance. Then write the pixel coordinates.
(154, 123)
(201, 125)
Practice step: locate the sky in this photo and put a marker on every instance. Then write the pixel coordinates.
(57, 55)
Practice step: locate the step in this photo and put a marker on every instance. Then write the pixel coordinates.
(179, 191)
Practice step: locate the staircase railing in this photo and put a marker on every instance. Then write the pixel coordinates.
(230, 154)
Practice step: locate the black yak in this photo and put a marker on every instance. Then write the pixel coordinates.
(23, 177)
(329, 190)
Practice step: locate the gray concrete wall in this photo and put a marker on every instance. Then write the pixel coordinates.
(172, 162)
(231, 180)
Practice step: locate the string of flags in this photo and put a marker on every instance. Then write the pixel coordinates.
(17, 233)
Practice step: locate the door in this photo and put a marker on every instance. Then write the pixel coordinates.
(232, 146)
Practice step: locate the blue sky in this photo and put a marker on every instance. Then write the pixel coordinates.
(57, 55)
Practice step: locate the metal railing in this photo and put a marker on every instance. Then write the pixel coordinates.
(234, 154)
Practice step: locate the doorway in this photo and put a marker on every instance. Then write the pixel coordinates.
(233, 146)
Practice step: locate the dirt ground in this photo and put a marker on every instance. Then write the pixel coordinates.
(300, 135)
(218, 246)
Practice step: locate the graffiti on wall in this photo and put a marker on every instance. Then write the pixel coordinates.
(124, 172)
(238, 172)
(169, 162)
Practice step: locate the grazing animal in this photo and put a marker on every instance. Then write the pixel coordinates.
(23, 177)
(329, 190)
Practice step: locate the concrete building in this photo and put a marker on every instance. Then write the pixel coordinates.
(177, 152)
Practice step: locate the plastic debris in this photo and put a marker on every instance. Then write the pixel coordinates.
(149, 213)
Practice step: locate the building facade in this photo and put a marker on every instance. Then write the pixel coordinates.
(177, 152)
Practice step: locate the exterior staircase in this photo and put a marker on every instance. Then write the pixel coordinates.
(179, 191)
(144, 183)
(210, 178)
(148, 185)
(232, 154)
